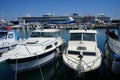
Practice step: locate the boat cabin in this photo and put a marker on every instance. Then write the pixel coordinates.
(6, 35)
(45, 33)
(82, 35)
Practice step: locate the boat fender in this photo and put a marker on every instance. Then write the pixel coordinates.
(57, 50)
(10, 47)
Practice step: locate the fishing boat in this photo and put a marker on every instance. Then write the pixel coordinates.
(112, 49)
(39, 49)
(7, 40)
(82, 54)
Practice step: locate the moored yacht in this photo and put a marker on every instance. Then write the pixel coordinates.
(82, 54)
(39, 49)
(7, 40)
(112, 49)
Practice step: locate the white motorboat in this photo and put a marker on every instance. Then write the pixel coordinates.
(39, 49)
(112, 49)
(82, 54)
(7, 40)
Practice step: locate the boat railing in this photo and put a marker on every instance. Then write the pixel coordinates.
(39, 44)
(29, 50)
(77, 60)
(6, 43)
(83, 61)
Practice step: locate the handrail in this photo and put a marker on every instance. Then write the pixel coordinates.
(38, 44)
(27, 49)
(78, 60)
(83, 60)
(8, 43)
(5, 43)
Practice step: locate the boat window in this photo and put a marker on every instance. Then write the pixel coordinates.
(56, 43)
(75, 36)
(10, 36)
(88, 37)
(45, 34)
(3, 35)
(89, 53)
(35, 34)
(48, 47)
(49, 34)
(74, 52)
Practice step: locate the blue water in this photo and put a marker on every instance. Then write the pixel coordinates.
(56, 70)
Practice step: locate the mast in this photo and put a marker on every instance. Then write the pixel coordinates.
(2, 17)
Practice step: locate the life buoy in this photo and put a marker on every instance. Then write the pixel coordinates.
(8, 28)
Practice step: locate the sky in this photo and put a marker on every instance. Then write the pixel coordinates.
(12, 9)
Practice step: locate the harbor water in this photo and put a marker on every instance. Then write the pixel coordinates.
(56, 70)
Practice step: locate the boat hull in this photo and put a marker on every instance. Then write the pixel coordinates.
(116, 67)
(112, 54)
(82, 68)
(112, 62)
(32, 64)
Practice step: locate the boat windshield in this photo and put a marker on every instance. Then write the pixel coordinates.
(45, 34)
(3, 35)
(75, 36)
(88, 37)
(82, 36)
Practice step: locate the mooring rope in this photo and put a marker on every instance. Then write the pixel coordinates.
(16, 67)
(81, 60)
(40, 69)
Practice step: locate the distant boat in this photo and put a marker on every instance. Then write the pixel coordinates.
(16, 26)
(67, 21)
(113, 49)
(2, 21)
(82, 54)
(7, 40)
(39, 49)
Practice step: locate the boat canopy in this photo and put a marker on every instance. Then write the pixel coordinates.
(4, 34)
